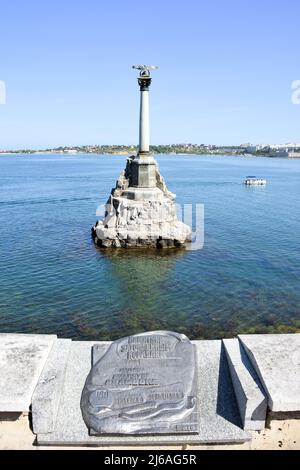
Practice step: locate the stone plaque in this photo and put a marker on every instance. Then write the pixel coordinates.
(142, 384)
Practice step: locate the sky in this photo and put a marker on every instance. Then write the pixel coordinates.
(226, 69)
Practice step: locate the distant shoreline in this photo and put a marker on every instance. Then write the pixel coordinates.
(172, 154)
(183, 149)
(127, 150)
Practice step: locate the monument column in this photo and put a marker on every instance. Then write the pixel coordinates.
(140, 210)
(144, 83)
(143, 174)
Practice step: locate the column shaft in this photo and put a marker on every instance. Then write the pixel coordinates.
(144, 122)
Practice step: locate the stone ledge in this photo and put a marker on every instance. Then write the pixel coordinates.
(279, 435)
(276, 359)
(218, 413)
(46, 397)
(22, 358)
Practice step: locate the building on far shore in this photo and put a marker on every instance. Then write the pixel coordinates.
(284, 153)
(290, 150)
(294, 154)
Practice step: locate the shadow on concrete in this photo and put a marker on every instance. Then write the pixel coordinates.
(257, 413)
(227, 406)
(281, 416)
(247, 363)
(10, 416)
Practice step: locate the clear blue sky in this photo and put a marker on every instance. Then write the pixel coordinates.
(226, 68)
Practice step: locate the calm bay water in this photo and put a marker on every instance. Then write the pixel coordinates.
(54, 280)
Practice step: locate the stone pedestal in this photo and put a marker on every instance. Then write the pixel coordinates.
(138, 216)
(143, 172)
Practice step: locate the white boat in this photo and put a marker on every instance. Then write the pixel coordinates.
(254, 181)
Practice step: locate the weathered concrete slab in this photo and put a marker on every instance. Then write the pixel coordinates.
(249, 393)
(22, 358)
(219, 419)
(276, 359)
(46, 397)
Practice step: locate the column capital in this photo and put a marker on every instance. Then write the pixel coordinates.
(144, 83)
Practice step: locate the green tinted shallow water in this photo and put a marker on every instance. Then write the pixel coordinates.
(54, 280)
